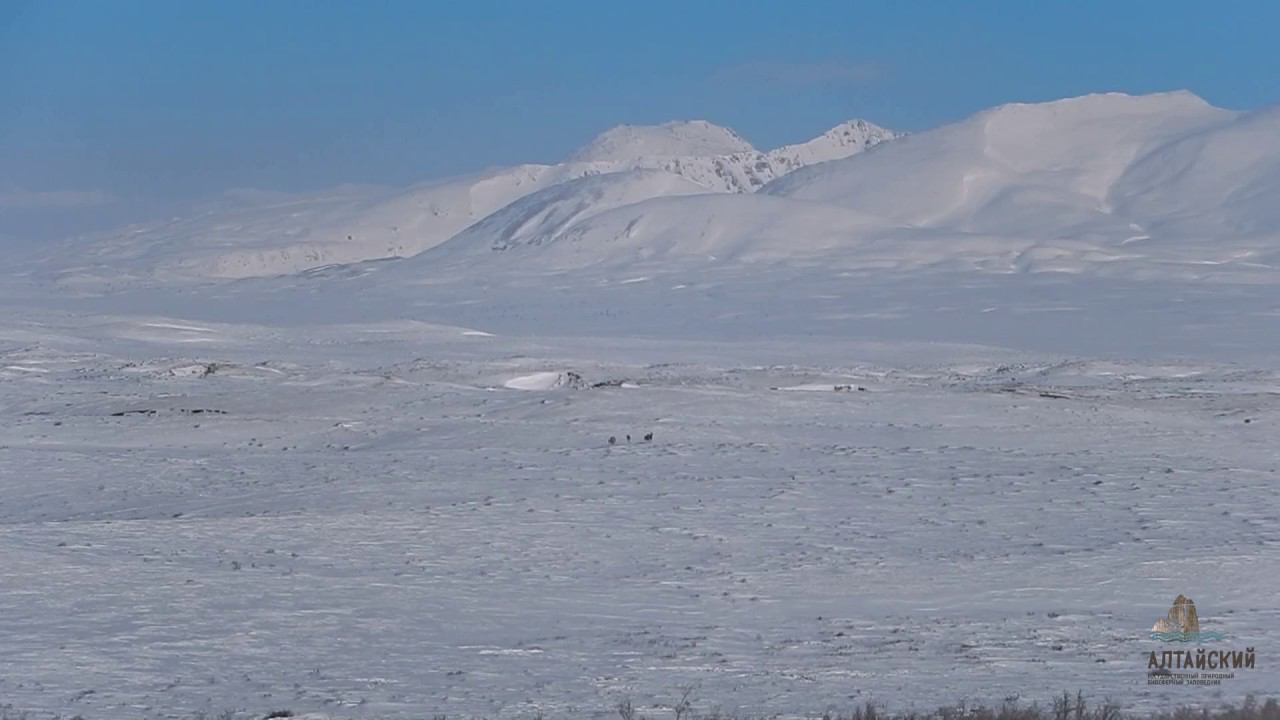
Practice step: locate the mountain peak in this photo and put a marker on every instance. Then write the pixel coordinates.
(853, 127)
(848, 138)
(688, 138)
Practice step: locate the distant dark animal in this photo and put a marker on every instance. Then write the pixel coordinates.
(628, 437)
(648, 437)
(613, 440)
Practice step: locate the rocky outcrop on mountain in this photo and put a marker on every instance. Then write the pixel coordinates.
(747, 169)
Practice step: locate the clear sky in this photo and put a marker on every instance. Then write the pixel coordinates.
(107, 107)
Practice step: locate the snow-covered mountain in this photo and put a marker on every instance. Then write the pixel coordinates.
(1108, 184)
(1143, 186)
(274, 234)
(1020, 168)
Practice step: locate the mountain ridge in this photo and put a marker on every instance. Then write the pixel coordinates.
(357, 224)
(1106, 183)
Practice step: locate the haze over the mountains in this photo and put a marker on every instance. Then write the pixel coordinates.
(1160, 184)
(269, 234)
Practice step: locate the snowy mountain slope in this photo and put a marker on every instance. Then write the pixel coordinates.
(702, 227)
(272, 234)
(1146, 186)
(1157, 186)
(293, 228)
(1014, 169)
(543, 218)
(1224, 180)
(540, 217)
(703, 231)
(286, 234)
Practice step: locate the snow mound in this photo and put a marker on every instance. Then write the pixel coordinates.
(541, 381)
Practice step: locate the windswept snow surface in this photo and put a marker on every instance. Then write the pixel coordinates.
(952, 419)
(362, 521)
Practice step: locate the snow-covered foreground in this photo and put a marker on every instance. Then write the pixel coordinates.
(401, 519)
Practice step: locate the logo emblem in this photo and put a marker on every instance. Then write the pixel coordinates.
(1182, 624)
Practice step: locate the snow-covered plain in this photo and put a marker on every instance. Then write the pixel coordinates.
(913, 450)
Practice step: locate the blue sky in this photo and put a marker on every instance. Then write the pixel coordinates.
(124, 105)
